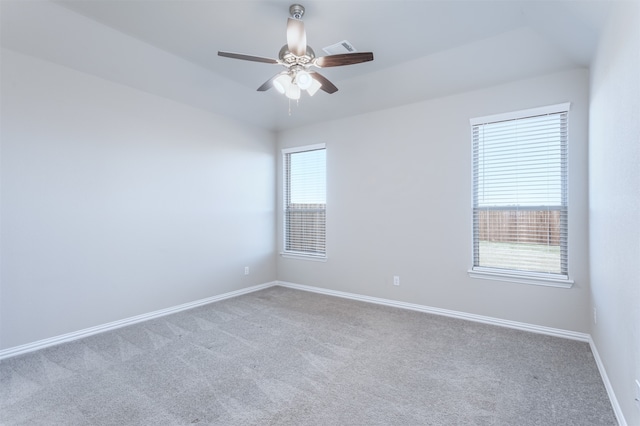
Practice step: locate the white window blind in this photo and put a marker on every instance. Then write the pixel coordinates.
(520, 193)
(305, 200)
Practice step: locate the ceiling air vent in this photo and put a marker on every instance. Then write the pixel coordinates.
(341, 47)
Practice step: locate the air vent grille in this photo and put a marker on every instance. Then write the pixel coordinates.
(341, 47)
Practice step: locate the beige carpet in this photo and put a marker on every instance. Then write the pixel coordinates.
(287, 357)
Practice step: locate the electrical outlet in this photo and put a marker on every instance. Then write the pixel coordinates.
(396, 280)
(637, 394)
(595, 316)
(246, 270)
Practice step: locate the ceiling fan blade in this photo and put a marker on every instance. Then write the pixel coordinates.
(247, 57)
(268, 84)
(343, 59)
(296, 37)
(327, 86)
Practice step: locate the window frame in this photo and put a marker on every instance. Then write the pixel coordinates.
(513, 275)
(319, 257)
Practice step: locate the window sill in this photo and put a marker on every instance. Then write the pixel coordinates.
(492, 274)
(302, 256)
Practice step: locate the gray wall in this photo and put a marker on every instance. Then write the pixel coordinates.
(117, 203)
(399, 203)
(614, 202)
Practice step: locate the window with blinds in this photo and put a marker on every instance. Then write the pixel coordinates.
(520, 193)
(305, 200)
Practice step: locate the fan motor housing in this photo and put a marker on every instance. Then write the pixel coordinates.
(290, 59)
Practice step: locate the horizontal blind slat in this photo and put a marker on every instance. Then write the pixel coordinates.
(305, 202)
(519, 194)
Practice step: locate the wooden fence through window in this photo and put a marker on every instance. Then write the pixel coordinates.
(520, 226)
(305, 228)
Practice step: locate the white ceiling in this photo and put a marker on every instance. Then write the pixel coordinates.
(422, 49)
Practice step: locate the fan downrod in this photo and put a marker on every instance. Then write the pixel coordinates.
(296, 11)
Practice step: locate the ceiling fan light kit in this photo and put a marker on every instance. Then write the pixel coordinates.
(298, 58)
(303, 79)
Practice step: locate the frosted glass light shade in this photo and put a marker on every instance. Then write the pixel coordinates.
(293, 92)
(282, 83)
(314, 87)
(303, 80)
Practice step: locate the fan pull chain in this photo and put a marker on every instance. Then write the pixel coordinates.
(297, 104)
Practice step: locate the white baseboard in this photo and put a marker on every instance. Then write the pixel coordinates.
(567, 334)
(617, 410)
(41, 344)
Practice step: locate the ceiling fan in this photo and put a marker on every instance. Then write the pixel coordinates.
(298, 59)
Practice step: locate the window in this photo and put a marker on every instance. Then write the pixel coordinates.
(305, 201)
(520, 196)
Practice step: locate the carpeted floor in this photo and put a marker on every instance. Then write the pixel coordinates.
(287, 357)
